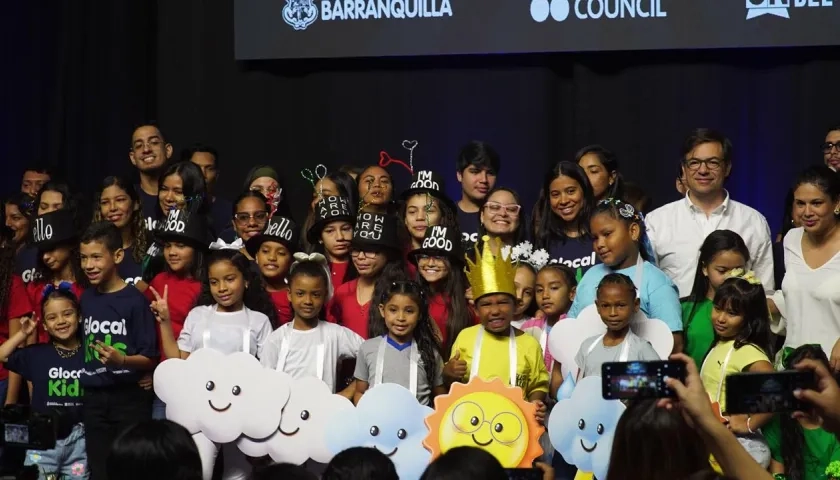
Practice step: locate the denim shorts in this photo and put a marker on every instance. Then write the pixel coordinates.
(66, 460)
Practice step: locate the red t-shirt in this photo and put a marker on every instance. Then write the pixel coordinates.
(181, 299)
(19, 305)
(284, 308)
(439, 311)
(34, 293)
(344, 309)
(337, 272)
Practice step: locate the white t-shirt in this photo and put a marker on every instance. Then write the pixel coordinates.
(227, 332)
(302, 355)
(812, 297)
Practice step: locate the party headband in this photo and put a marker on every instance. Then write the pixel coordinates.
(318, 258)
(62, 287)
(626, 210)
(220, 244)
(525, 253)
(385, 159)
(316, 176)
(749, 276)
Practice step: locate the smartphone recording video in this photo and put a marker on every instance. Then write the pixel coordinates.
(625, 380)
(766, 392)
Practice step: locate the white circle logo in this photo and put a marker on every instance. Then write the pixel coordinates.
(540, 9)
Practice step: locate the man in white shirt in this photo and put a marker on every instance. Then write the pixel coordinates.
(678, 229)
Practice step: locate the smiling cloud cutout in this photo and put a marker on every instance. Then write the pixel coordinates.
(388, 418)
(222, 396)
(582, 427)
(303, 428)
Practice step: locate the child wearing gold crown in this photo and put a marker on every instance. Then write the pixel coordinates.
(742, 344)
(495, 349)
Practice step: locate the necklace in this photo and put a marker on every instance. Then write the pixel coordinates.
(64, 352)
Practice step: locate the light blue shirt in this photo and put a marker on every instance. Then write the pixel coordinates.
(658, 295)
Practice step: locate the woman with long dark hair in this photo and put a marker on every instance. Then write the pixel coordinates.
(502, 219)
(601, 167)
(560, 221)
(118, 202)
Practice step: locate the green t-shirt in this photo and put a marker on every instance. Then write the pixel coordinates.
(820, 449)
(699, 333)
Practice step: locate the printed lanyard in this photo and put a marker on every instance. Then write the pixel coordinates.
(722, 371)
(285, 347)
(476, 361)
(246, 332)
(414, 357)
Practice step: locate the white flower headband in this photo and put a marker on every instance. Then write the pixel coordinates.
(525, 253)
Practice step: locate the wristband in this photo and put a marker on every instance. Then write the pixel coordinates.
(748, 425)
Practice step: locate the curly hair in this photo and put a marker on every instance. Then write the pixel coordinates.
(255, 298)
(424, 335)
(137, 226)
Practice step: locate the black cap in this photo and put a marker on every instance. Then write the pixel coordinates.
(183, 225)
(329, 209)
(427, 181)
(278, 229)
(440, 242)
(375, 231)
(52, 229)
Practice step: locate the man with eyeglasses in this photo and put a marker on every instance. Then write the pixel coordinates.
(831, 148)
(678, 229)
(149, 153)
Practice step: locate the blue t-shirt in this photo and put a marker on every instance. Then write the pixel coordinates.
(150, 207)
(25, 262)
(129, 269)
(123, 320)
(55, 380)
(221, 214)
(577, 253)
(468, 223)
(658, 296)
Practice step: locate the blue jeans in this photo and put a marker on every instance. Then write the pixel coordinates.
(66, 460)
(158, 409)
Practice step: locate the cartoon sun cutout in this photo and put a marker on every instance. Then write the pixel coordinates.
(486, 415)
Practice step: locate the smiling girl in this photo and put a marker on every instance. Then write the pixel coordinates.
(560, 222)
(250, 215)
(273, 250)
(118, 202)
(501, 219)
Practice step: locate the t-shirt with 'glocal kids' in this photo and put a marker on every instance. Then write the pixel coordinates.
(123, 320)
(55, 380)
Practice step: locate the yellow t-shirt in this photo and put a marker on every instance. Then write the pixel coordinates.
(740, 359)
(531, 374)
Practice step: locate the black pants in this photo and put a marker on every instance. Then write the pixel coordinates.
(106, 413)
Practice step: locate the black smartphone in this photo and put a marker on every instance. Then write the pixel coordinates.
(767, 392)
(524, 473)
(623, 380)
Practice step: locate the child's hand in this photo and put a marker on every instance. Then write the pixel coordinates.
(469, 296)
(28, 325)
(160, 307)
(109, 355)
(541, 409)
(455, 369)
(738, 424)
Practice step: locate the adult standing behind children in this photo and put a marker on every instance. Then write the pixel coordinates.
(149, 154)
(677, 229)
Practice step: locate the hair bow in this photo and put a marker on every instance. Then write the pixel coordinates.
(525, 253)
(63, 286)
(220, 244)
(748, 276)
(310, 257)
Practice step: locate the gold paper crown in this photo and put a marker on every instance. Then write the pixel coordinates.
(489, 273)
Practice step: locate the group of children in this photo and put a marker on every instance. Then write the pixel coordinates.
(358, 310)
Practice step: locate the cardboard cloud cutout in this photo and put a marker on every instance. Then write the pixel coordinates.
(486, 415)
(567, 335)
(388, 418)
(304, 426)
(222, 396)
(581, 428)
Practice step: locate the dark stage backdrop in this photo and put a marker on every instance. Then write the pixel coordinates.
(81, 77)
